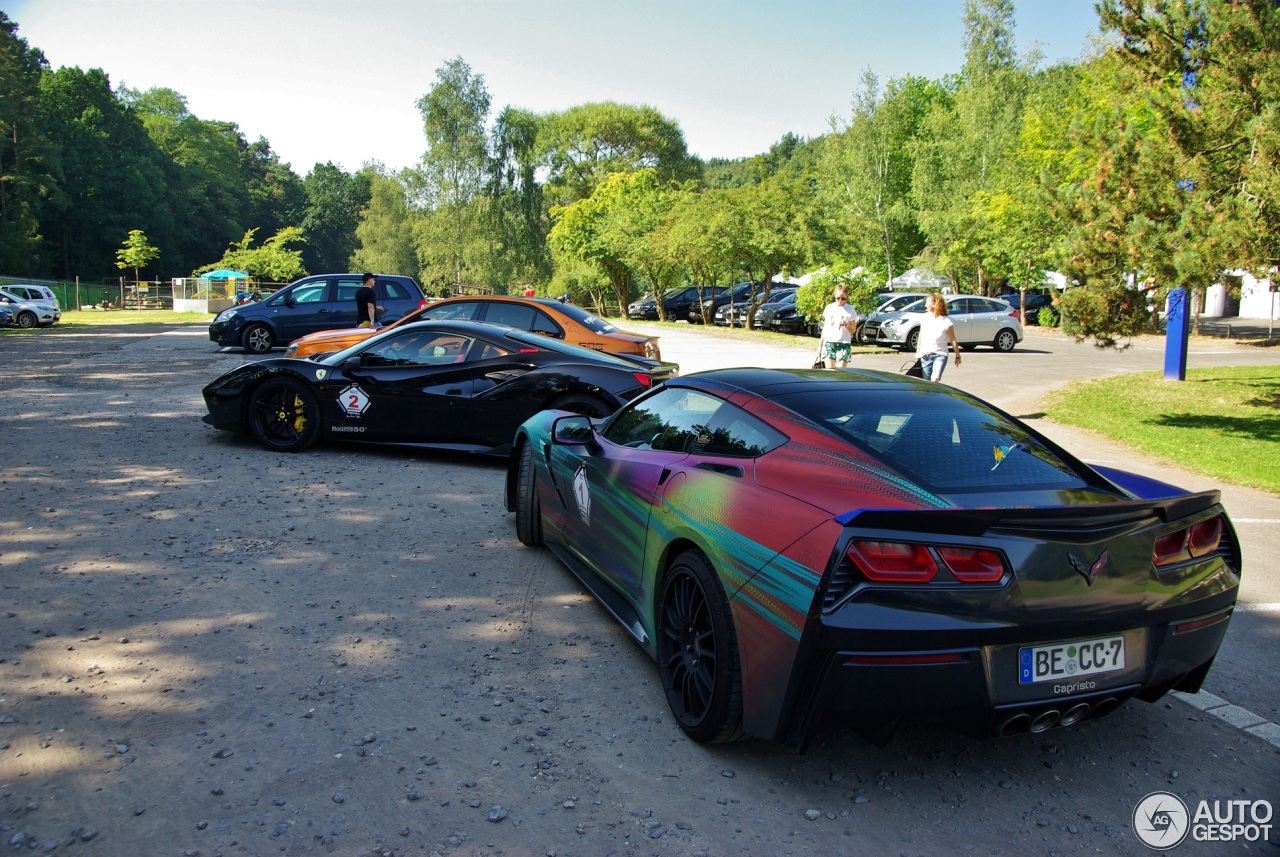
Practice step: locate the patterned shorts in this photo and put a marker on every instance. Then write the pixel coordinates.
(837, 350)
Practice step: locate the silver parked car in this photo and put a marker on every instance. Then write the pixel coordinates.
(32, 292)
(29, 313)
(977, 320)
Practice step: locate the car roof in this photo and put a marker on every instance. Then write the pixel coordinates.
(773, 382)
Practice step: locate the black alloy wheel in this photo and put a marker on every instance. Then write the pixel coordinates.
(283, 415)
(698, 652)
(528, 507)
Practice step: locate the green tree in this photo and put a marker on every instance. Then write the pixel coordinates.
(581, 234)
(385, 231)
(136, 253)
(205, 186)
(634, 212)
(110, 175)
(770, 236)
(453, 117)
(516, 222)
(1211, 71)
(26, 156)
(273, 261)
(865, 179)
(276, 196)
(703, 234)
(965, 143)
(581, 146)
(334, 202)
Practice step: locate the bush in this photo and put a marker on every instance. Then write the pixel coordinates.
(1105, 313)
(1047, 317)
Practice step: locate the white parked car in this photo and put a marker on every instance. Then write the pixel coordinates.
(31, 292)
(29, 313)
(977, 320)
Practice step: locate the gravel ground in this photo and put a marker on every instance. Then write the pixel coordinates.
(207, 648)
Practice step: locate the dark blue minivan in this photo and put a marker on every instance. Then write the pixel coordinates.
(314, 303)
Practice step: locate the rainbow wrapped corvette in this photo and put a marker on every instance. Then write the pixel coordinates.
(786, 543)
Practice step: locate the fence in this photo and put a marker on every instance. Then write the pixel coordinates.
(110, 293)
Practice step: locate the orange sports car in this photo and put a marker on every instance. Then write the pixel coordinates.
(538, 315)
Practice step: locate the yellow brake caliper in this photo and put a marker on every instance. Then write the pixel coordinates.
(299, 415)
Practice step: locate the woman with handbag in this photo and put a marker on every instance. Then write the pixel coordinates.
(838, 322)
(936, 331)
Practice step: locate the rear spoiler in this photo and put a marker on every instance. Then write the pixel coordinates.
(977, 522)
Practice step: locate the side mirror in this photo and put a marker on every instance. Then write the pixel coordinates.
(573, 431)
(352, 363)
(289, 301)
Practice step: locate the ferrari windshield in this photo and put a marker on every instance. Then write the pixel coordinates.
(942, 442)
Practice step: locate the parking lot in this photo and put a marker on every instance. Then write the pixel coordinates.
(207, 648)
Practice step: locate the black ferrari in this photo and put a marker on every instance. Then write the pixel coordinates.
(452, 385)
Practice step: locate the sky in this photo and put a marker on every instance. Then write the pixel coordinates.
(339, 82)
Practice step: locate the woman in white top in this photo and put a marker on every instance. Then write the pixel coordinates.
(935, 331)
(838, 321)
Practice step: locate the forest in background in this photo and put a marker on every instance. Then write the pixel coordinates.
(1155, 155)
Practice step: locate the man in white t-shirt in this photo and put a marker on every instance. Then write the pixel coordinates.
(936, 331)
(838, 321)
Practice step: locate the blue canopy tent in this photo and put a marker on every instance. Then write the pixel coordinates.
(224, 274)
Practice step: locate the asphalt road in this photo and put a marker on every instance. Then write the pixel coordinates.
(237, 597)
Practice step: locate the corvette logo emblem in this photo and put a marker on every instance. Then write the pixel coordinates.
(1090, 572)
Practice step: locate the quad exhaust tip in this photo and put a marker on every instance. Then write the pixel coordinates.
(1040, 719)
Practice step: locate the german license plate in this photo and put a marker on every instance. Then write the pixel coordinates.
(1070, 660)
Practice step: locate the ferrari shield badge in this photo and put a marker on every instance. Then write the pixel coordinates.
(353, 401)
(320, 373)
(582, 493)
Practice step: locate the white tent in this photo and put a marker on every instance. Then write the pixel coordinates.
(919, 280)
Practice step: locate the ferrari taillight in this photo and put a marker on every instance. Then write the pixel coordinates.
(972, 565)
(893, 562)
(1190, 542)
(645, 379)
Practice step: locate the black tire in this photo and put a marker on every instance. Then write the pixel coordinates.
(698, 652)
(1005, 340)
(258, 339)
(581, 403)
(283, 415)
(528, 507)
(913, 340)
(27, 320)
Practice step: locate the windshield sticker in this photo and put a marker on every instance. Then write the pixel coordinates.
(353, 401)
(582, 493)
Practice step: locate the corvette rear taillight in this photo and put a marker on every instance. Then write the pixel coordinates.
(1188, 543)
(893, 562)
(972, 565)
(905, 562)
(645, 379)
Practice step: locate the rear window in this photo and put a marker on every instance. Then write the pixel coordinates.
(536, 341)
(586, 319)
(941, 442)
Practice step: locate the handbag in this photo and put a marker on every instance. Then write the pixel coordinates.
(915, 370)
(818, 361)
